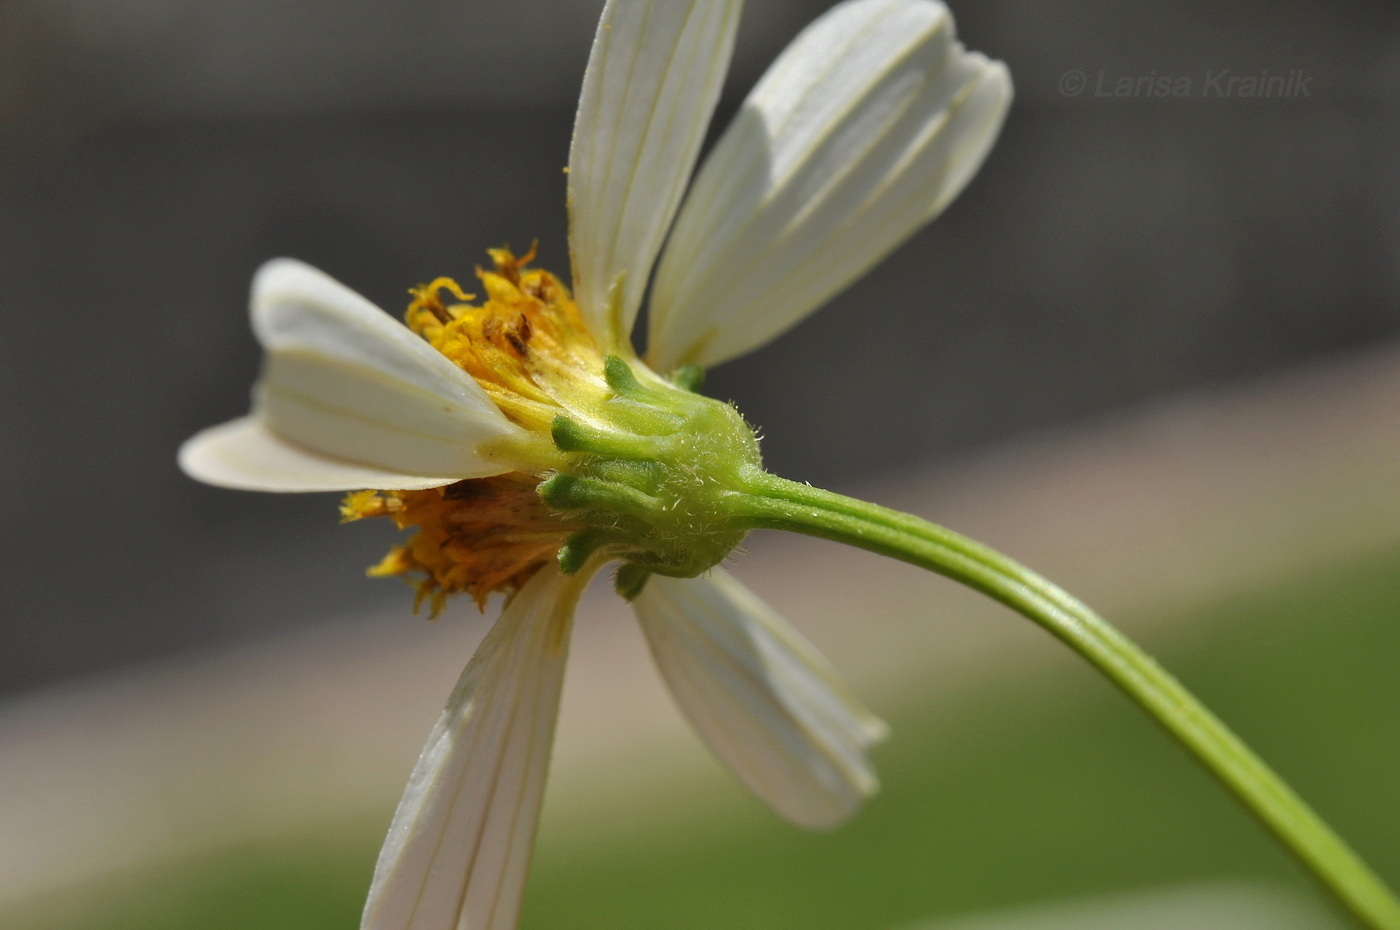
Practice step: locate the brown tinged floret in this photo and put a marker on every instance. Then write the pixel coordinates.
(475, 537)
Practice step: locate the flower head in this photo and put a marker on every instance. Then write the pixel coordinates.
(525, 444)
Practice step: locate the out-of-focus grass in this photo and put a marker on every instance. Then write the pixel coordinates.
(1042, 788)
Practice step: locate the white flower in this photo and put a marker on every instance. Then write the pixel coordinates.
(863, 130)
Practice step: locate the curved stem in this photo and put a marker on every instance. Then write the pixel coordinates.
(774, 503)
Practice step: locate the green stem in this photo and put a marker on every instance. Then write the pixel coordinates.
(774, 503)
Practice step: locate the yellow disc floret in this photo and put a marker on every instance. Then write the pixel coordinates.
(527, 344)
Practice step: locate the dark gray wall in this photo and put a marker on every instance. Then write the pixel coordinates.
(153, 154)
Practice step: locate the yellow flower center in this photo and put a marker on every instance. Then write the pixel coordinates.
(528, 347)
(527, 344)
(623, 464)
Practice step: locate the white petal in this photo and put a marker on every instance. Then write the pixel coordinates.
(459, 846)
(245, 454)
(762, 697)
(344, 379)
(653, 78)
(864, 129)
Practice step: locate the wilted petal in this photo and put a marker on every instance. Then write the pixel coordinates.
(245, 454)
(345, 380)
(762, 697)
(866, 127)
(654, 75)
(459, 846)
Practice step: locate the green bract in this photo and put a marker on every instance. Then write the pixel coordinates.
(653, 478)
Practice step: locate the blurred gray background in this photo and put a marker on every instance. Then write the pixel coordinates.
(154, 152)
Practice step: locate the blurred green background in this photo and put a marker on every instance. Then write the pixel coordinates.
(1040, 789)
